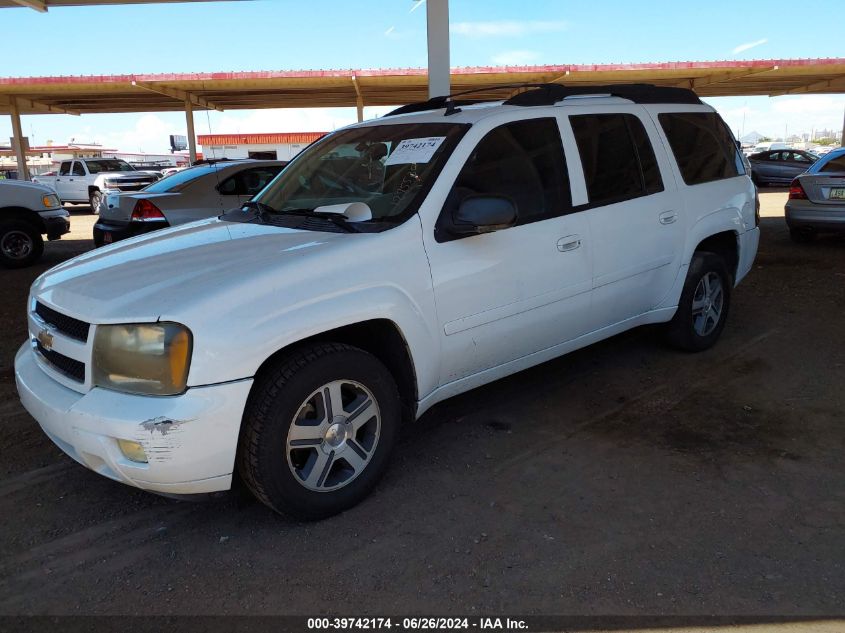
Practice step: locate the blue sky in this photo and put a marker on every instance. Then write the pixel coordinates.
(283, 34)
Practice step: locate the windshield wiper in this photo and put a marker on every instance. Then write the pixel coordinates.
(335, 218)
(260, 208)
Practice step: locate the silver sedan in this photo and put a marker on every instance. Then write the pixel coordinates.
(199, 192)
(817, 198)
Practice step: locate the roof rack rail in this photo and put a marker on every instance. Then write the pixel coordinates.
(451, 104)
(549, 93)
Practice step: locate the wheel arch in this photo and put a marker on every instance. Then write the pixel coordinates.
(380, 337)
(24, 214)
(725, 244)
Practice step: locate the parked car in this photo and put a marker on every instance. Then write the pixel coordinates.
(90, 179)
(192, 194)
(393, 264)
(816, 201)
(779, 167)
(28, 210)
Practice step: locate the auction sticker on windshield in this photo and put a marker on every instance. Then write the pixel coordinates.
(414, 150)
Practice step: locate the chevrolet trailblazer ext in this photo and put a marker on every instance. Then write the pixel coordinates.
(393, 264)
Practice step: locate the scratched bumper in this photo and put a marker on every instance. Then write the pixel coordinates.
(190, 440)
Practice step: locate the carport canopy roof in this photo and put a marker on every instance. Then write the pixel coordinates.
(378, 87)
(44, 5)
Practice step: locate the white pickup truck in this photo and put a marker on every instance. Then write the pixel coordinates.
(28, 210)
(88, 179)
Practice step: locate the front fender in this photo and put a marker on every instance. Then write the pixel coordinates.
(221, 356)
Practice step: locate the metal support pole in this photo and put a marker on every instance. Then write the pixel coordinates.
(360, 109)
(17, 140)
(192, 137)
(437, 19)
(842, 140)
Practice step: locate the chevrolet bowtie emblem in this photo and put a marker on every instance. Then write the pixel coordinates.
(46, 339)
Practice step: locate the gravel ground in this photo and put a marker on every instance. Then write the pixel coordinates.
(623, 479)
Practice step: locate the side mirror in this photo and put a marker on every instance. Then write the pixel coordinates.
(483, 214)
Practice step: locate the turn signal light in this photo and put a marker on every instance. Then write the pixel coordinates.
(796, 191)
(146, 211)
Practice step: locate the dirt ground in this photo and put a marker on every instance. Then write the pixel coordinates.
(623, 479)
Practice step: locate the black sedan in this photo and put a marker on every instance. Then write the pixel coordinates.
(779, 166)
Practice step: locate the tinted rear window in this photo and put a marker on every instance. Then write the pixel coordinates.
(836, 164)
(703, 146)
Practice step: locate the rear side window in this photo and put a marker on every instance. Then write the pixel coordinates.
(617, 157)
(78, 169)
(522, 160)
(64, 170)
(703, 146)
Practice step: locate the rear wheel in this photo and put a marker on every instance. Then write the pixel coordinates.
(20, 244)
(318, 431)
(703, 308)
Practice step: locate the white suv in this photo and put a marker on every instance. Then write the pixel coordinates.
(391, 265)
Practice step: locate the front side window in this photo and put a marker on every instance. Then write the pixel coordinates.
(78, 169)
(388, 167)
(108, 164)
(617, 157)
(703, 146)
(64, 170)
(522, 161)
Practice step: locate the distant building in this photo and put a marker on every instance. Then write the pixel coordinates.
(274, 146)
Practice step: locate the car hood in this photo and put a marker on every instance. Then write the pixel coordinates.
(184, 270)
(23, 184)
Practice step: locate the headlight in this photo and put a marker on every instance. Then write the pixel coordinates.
(145, 358)
(50, 201)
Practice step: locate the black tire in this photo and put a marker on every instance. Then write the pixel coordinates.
(802, 236)
(279, 395)
(20, 244)
(94, 199)
(686, 331)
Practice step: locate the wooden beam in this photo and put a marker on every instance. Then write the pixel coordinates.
(699, 82)
(834, 84)
(175, 93)
(38, 5)
(36, 106)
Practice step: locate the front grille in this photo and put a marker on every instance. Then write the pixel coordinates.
(73, 369)
(74, 328)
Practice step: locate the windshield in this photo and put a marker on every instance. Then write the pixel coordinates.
(180, 179)
(388, 167)
(96, 166)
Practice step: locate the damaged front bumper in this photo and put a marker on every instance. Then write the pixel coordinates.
(190, 440)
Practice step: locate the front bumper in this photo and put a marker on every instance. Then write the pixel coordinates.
(108, 233)
(55, 227)
(190, 440)
(804, 214)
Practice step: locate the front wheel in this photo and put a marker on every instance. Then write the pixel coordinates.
(95, 199)
(20, 244)
(703, 308)
(318, 430)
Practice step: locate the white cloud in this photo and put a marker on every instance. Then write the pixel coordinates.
(507, 28)
(748, 45)
(515, 58)
(149, 134)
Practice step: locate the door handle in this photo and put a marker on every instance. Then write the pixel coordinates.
(667, 217)
(70, 179)
(568, 243)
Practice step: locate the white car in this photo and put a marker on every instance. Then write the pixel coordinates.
(393, 264)
(192, 194)
(28, 210)
(91, 179)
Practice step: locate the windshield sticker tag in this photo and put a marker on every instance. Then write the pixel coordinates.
(414, 150)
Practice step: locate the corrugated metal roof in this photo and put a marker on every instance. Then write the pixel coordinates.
(334, 88)
(259, 139)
